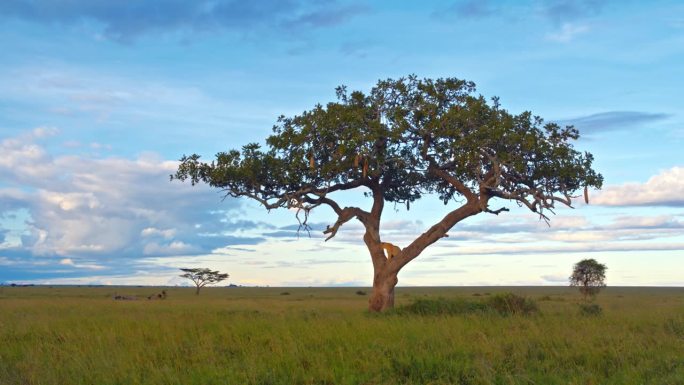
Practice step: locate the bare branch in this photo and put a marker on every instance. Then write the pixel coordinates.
(496, 212)
(341, 186)
(345, 216)
(322, 199)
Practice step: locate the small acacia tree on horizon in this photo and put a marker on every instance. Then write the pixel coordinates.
(589, 276)
(406, 139)
(203, 276)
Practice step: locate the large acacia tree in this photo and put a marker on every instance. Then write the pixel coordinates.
(406, 139)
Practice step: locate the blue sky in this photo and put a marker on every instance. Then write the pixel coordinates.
(99, 99)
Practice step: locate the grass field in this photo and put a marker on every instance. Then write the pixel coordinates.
(80, 335)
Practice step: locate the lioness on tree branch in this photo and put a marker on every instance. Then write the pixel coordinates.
(406, 139)
(391, 249)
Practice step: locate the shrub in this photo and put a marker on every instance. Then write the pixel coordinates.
(590, 309)
(442, 306)
(503, 304)
(509, 303)
(285, 293)
(360, 292)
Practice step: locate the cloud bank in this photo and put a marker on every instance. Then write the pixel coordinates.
(664, 189)
(85, 210)
(66, 218)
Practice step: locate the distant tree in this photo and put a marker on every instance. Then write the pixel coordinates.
(203, 276)
(589, 276)
(407, 139)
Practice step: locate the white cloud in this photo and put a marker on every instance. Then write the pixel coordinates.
(70, 201)
(85, 206)
(44, 132)
(585, 236)
(568, 222)
(568, 32)
(555, 278)
(564, 249)
(403, 225)
(172, 248)
(637, 222)
(23, 160)
(163, 278)
(152, 232)
(100, 146)
(88, 266)
(664, 189)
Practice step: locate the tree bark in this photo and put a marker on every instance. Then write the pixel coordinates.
(382, 297)
(386, 271)
(384, 277)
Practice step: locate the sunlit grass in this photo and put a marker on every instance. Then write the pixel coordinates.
(76, 335)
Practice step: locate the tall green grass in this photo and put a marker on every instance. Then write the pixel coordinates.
(325, 336)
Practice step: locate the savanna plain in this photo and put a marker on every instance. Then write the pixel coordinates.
(81, 335)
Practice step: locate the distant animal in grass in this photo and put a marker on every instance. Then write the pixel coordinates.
(161, 295)
(125, 298)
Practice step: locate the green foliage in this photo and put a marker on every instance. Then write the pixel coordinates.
(590, 309)
(442, 306)
(589, 276)
(402, 134)
(510, 304)
(203, 276)
(503, 304)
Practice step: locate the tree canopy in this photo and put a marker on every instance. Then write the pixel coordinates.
(405, 139)
(589, 275)
(203, 276)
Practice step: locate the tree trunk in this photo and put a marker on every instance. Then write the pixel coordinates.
(382, 297)
(197, 291)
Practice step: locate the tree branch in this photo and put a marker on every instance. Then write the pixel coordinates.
(378, 201)
(457, 184)
(434, 233)
(345, 215)
(342, 186)
(299, 198)
(492, 179)
(496, 212)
